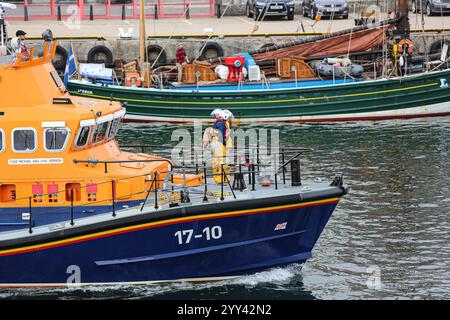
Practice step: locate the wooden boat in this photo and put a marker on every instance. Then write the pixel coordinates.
(295, 97)
(421, 95)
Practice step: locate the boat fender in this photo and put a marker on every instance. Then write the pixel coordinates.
(324, 69)
(436, 47)
(103, 51)
(405, 43)
(155, 51)
(222, 72)
(245, 72)
(133, 79)
(211, 50)
(60, 58)
(356, 70)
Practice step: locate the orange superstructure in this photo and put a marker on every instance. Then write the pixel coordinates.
(54, 145)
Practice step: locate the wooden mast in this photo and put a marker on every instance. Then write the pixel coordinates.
(402, 13)
(142, 33)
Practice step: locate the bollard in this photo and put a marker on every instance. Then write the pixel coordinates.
(58, 16)
(123, 13)
(295, 173)
(188, 15)
(156, 12)
(218, 11)
(25, 13)
(91, 13)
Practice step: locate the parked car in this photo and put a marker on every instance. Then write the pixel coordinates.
(325, 8)
(263, 8)
(431, 7)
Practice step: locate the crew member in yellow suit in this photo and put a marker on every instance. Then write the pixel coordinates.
(220, 139)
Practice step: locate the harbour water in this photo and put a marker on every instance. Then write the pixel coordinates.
(388, 239)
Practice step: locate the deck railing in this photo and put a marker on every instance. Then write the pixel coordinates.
(157, 183)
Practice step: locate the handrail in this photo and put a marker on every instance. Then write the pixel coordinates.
(239, 173)
(81, 187)
(106, 162)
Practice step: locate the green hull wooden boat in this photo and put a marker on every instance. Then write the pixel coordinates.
(419, 95)
(309, 98)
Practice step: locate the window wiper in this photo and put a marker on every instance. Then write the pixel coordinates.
(52, 141)
(26, 142)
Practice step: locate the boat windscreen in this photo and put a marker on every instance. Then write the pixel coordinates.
(83, 136)
(100, 131)
(56, 138)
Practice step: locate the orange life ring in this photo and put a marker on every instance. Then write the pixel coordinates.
(133, 79)
(408, 43)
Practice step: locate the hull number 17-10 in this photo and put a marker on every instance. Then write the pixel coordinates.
(209, 233)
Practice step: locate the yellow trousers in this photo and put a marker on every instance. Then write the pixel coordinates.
(219, 156)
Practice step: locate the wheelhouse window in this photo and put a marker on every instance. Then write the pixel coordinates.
(56, 79)
(56, 139)
(2, 140)
(115, 125)
(100, 131)
(24, 140)
(83, 137)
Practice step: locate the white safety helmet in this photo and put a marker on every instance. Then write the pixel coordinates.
(216, 112)
(227, 114)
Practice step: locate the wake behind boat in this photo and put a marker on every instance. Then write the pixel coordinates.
(77, 210)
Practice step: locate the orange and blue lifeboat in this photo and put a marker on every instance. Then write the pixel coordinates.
(77, 210)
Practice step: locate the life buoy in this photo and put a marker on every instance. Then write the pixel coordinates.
(133, 79)
(211, 50)
(156, 52)
(60, 59)
(100, 54)
(408, 43)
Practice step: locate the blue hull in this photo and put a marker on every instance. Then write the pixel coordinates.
(189, 247)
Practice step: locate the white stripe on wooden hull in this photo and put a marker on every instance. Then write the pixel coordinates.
(439, 109)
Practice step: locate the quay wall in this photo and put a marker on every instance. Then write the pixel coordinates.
(128, 50)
